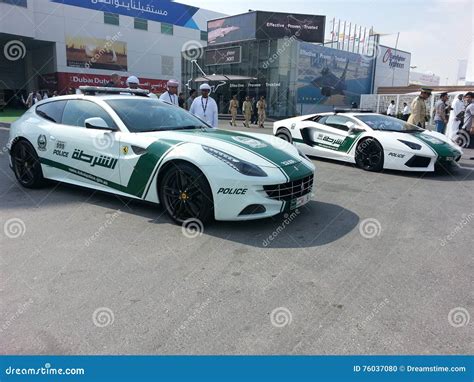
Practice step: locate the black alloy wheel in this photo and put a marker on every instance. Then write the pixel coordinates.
(185, 193)
(26, 165)
(369, 155)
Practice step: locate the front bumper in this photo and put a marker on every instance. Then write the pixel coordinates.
(258, 201)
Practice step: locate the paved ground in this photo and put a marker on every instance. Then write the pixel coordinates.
(84, 278)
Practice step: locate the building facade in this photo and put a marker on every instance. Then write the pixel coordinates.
(295, 72)
(58, 44)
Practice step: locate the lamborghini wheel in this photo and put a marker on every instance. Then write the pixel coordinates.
(369, 155)
(285, 135)
(26, 165)
(185, 193)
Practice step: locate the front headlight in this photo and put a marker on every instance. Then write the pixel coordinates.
(239, 165)
(412, 145)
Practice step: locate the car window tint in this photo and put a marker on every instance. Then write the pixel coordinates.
(77, 111)
(339, 122)
(52, 111)
(322, 120)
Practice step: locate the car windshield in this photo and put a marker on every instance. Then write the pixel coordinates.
(142, 115)
(385, 123)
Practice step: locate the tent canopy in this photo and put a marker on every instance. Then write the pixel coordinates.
(222, 77)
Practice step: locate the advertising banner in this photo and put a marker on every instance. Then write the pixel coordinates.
(329, 78)
(308, 28)
(157, 10)
(392, 67)
(93, 53)
(231, 55)
(230, 29)
(62, 81)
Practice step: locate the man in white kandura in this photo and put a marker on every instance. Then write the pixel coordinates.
(205, 107)
(454, 122)
(171, 95)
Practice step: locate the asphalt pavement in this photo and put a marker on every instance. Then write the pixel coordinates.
(376, 263)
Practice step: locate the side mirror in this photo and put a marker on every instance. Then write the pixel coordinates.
(98, 123)
(355, 130)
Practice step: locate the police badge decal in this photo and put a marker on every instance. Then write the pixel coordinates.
(42, 142)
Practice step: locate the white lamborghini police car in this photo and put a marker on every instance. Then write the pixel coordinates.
(371, 141)
(143, 148)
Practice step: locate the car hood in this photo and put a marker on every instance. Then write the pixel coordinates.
(262, 150)
(437, 142)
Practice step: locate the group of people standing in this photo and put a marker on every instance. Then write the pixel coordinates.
(253, 112)
(448, 119)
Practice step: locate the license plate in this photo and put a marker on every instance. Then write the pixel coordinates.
(449, 159)
(301, 201)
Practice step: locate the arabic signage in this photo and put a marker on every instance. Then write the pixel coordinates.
(157, 10)
(330, 77)
(102, 160)
(233, 28)
(392, 67)
(94, 53)
(62, 81)
(308, 28)
(232, 55)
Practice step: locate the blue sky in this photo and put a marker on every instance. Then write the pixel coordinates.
(437, 32)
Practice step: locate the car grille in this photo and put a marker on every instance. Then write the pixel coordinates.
(290, 190)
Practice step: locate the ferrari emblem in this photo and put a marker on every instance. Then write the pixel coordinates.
(124, 150)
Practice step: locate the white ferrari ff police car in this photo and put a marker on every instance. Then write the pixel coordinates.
(143, 148)
(371, 141)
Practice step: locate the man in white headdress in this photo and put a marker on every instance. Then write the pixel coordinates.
(133, 82)
(205, 107)
(171, 95)
(457, 107)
